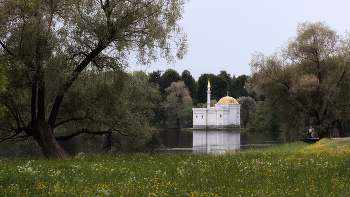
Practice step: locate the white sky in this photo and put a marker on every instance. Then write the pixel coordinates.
(223, 34)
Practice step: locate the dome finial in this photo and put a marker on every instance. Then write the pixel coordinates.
(227, 93)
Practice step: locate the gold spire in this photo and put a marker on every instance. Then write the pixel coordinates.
(227, 93)
(208, 84)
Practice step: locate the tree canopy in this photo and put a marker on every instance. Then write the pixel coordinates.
(219, 87)
(167, 78)
(264, 119)
(307, 79)
(49, 44)
(113, 103)
(240, 86)
(190, 83)
(248, 107)
(178, 98)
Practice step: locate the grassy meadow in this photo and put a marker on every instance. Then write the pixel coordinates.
(295, 169)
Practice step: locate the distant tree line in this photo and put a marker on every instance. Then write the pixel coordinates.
(222, 85)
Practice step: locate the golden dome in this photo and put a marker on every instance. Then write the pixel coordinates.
(227, 100)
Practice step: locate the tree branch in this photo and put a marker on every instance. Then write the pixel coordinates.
(67, 137)
(17, 132)
(66, 121)
(7, 49)
(69, 82)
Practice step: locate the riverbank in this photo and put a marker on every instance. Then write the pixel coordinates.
(342, 139)
(295, 169)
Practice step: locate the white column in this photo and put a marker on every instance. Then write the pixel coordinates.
(208, 95)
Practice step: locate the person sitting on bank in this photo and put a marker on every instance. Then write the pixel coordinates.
(311, 132)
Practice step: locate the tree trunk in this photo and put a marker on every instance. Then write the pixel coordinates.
(42, 133)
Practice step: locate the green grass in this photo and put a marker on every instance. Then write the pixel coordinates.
(295, 169)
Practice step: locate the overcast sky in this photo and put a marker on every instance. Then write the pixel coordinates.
(223, 34)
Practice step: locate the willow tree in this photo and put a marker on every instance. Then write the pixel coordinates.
(308, 79)
(178, 98)
(115, 104)
(47, 44)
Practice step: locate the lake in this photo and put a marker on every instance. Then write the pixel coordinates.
(214, 141)
(174, 142)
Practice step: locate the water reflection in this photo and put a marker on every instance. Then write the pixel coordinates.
(215, 141)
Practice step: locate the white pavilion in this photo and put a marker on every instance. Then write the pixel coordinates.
(225, 114)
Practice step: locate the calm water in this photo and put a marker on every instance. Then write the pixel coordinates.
(174, 141)
(215, 141)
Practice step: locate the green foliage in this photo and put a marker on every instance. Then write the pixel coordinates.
(3, 82)
(202, 87)
(204, 105)
(155, 76)
(212, 103)
(239, 86)
(178, 99)
(3, 78)
(168, 77)
(191, 84)
(290, 169)
(308, 79)
(187, 117)
(112, 101)
(227, 76)
(201, 105)
(163, 81)
(231, 89)
(265, 118)
(219, 87)
(248, 108)
(222, 84)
